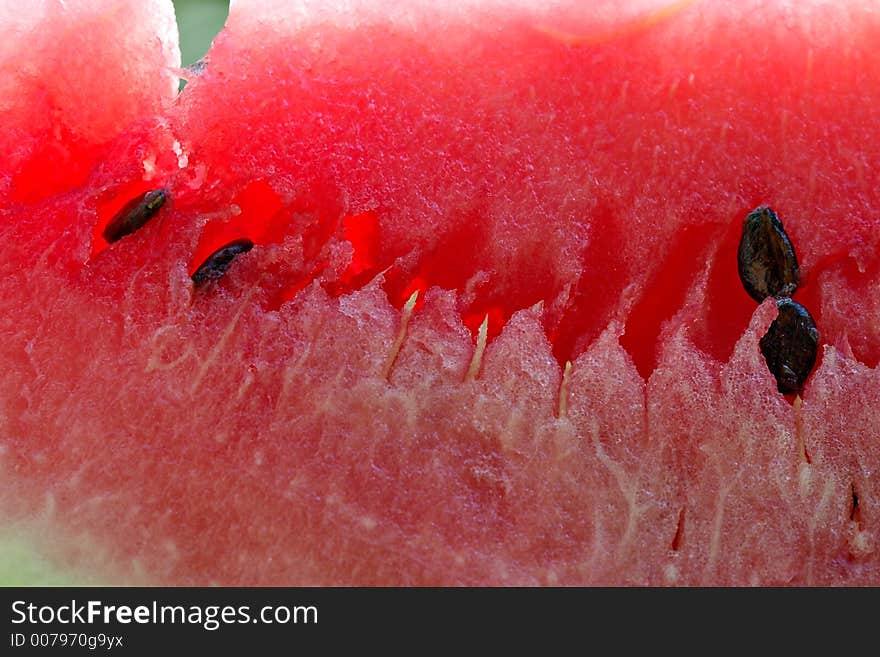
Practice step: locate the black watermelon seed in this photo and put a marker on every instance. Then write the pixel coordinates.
(790, 346)
(216, 264)
(134, 215)
(767, 264)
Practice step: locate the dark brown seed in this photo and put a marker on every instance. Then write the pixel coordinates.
(216, 264)
(134, 215)
(767, 264)
(790, 346)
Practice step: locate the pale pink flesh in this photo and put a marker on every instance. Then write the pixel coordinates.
(218, 439)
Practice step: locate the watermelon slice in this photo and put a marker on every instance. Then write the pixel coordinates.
(491, 329)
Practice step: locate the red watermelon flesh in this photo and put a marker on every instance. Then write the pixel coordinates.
(578, 182)
(65, 66)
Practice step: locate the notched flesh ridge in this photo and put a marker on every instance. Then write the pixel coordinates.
(678, 538)
(767, 266)
(562, 408)
(405, 316)
(797, 407)
(861, 543)
(855, 514)
(473, 369)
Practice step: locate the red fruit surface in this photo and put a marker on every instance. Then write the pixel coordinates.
(74, 76)
(578, 182)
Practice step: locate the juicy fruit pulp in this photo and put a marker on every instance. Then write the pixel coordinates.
(575, 392)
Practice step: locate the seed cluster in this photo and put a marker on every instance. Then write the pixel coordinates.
(139, 210)
(766, 262)
(768, 267)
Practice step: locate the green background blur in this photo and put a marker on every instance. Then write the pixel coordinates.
(198, 21)
(21, 564)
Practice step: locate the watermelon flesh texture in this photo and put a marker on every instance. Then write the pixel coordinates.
(55, 58)
(576, 181)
